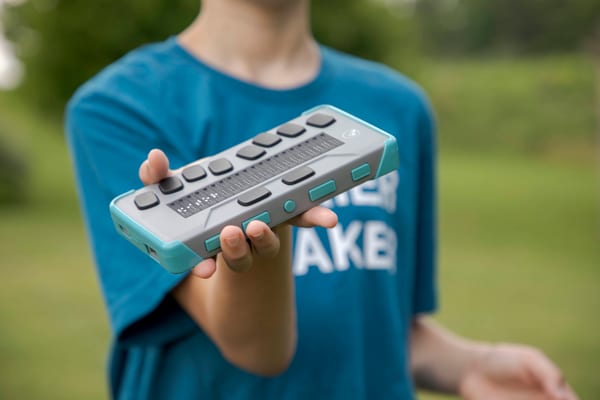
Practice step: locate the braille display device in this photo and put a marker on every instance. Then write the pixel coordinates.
(271, 177)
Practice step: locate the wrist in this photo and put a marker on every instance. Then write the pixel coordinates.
(479, 353)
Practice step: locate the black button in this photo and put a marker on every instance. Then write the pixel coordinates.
(266, 139)
(297, 175)
(290, 130)
(253, 196)
(250, 152)
(220, 166)
(146, 200)
(170, 185)
(320, 120)
(193, 173)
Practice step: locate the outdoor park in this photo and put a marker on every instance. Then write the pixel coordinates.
(516, 90)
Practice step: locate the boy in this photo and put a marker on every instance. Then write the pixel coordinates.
(333, 314)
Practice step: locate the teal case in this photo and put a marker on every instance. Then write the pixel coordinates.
(343, 154)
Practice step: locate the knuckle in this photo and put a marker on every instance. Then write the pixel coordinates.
(239, 264)
(268, 251)
(268, 246)
(234, 255)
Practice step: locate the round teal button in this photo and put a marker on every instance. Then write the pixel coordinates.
(289, 206)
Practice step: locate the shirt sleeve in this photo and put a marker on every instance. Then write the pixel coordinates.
(425, 285)
(110, 133)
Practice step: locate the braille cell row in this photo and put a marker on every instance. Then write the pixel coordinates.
(253, 175)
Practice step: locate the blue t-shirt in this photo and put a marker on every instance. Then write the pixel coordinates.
(358, 285)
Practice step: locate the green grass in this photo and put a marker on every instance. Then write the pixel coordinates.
(54, 332)
(520, 257)
(54, 336)
(518, 221)
(524, 105)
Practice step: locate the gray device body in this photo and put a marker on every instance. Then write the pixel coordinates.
(272, 177)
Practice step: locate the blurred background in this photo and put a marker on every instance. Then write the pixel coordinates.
(515, 84)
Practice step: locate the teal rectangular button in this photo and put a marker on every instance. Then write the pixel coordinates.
(360, 172)
(212, 243)
(318, 192)
(264, 217)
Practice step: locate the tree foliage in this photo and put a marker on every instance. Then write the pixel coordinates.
(63, 42)
(521, 26)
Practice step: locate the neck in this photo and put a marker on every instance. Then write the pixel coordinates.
(266, 42)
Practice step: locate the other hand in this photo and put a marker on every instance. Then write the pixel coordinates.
(514, 372)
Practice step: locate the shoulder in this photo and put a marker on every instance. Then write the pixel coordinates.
(133, 82)
(126, 100)
(376, 80)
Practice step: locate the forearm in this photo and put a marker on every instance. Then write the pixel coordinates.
(253, 314)
(250, 316)
(440, 359)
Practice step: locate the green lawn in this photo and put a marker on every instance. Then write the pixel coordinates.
(519, 258)
(54, 332)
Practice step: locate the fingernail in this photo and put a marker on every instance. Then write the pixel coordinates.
(258, 236)
(233, 241)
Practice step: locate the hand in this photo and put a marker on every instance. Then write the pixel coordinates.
(514, 372)
(236, 252)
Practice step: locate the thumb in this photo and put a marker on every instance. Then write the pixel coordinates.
(154, 168)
